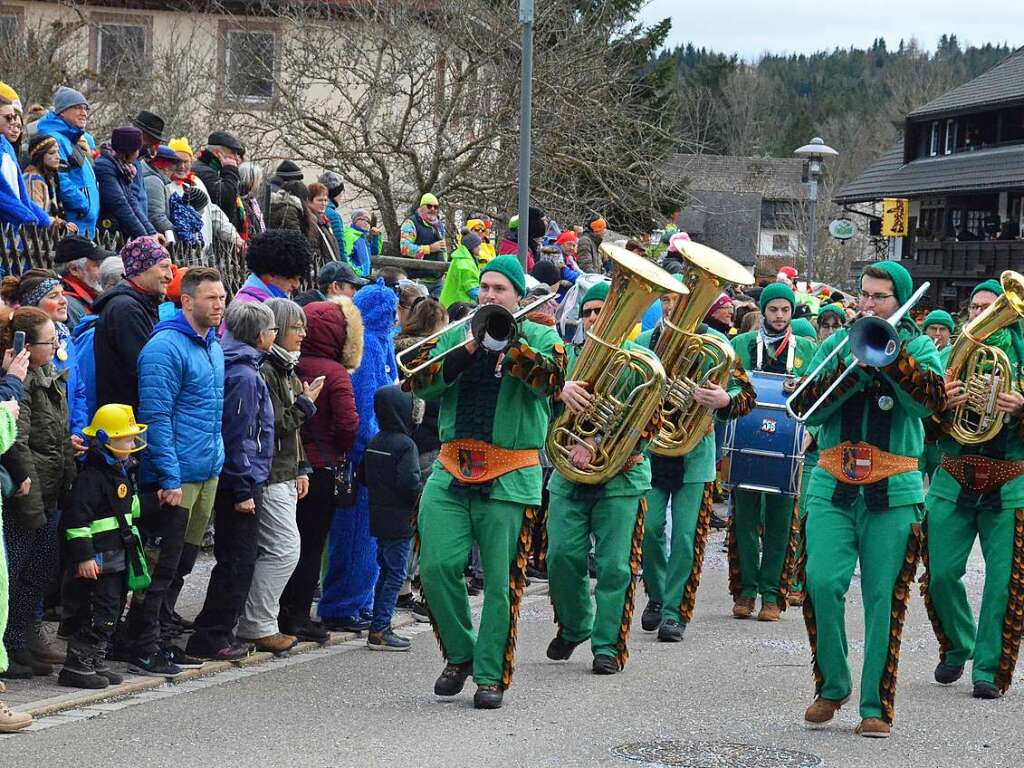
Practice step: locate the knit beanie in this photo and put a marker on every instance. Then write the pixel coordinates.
(902, 282)
(776, 291)
(11, 95)
(992, 286)
(140, 254)
(126, 140)
(181, 145)
(804, 327)
(568, 236)
(471, 240)
(513, 223)
(546, 271)
(66, 98)
(428, 198)
(597, 292)
(288, 171)
(723, 300)
(834, 309)
(510, 267)
(598, 225)
(940, 317)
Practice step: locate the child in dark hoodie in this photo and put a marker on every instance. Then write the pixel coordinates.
(391, 472)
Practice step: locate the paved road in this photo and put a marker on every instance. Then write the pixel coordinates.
(728, 682)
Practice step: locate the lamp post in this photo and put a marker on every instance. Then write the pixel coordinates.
(814, 155)
(525, 120)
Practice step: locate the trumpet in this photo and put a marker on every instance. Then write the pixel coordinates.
(492, 326)
(873, 341)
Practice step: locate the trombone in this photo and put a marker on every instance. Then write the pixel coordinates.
(492, 326)
(873, 341)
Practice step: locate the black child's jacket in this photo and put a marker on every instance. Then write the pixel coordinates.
(102, 490)
(391, 464)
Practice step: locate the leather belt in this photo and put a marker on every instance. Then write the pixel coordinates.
(863, 463)
(474, 461)
(981, 475)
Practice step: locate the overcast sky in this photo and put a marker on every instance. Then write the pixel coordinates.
(751, 27)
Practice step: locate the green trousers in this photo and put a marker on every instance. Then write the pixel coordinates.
(887, 544)
(951, 530)
(449, 523)
(672, 573)
(616, 525)
(757, 516)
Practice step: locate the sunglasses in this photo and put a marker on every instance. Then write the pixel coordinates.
(591, 311)
(430, 207)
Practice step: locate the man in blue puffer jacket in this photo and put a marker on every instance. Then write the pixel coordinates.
(181, 394)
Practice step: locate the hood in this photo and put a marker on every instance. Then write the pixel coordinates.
(396, 410)
(178, 323)
(334, 330)
(148, 170)
(50, 124)
(378, 306)
(237, 352)
(123, 289)
(283, 197)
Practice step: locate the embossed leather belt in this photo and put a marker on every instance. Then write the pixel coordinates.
(981, 475)
(863, 463)
(474, 461)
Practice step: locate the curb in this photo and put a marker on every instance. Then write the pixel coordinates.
(137, 684)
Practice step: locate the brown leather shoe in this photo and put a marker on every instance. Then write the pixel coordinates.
(873, 728)
(11, 721)
(743, 608)
(823, 710)
(275, 643)
(796, 599)
(769, 612)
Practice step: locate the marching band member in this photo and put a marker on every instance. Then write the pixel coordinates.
(611, 513)
(483, 490)
(671, 577)
(865, 496)
(939, 327)
(774, 348)
(978, 492)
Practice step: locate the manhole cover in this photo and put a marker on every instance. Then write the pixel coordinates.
(710, 754)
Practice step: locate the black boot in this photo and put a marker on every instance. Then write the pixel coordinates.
(453, 678)
(985, 690)
(947, 673)
(80, 672)
(605, 665)
(488, 697)
(103, 669)
(671, 631)
(650, 620)
(560, 649)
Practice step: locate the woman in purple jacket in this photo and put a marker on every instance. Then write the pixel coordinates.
(248, 430)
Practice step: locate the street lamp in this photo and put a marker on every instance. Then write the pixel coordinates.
(814, 154)
(526, 18)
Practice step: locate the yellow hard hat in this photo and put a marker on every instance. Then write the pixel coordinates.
(115, 420)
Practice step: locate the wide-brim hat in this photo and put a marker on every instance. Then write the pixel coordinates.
(150, 124)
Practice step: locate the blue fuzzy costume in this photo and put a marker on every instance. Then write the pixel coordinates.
(352, 551)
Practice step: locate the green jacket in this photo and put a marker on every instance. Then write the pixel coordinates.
(853, 413)
(291, 410)
(746, 350)
(511, 411)
(462, 277)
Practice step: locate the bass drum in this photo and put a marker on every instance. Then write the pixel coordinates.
(763, 450)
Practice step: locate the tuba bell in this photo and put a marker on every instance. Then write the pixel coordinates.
(984, 370)
(612, 425)
(692, 361)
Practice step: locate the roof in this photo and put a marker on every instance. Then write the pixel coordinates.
(773, 178)
(1002, 84)
(987, 170)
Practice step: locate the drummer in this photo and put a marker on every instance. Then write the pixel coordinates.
(759, 567)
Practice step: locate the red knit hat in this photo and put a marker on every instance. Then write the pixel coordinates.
(566, 237)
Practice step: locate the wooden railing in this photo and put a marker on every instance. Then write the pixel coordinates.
(966, 260)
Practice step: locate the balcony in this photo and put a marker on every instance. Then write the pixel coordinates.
(969, 260)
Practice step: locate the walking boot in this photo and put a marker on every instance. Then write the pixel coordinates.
(605, 665)
(650, 619)
(387, 640)
(873, 728)
(16, 671)
(99, 663)
(11, 721)
(947, 673)
(453, 678)
(276, 643)
(488, 697)
(796, 599)
(560, 649)
(822, 711)
(769, 612)
(79, 671)
(671, 631)
(743, 608)
(986, 690)
(44, 651)
(26, 659)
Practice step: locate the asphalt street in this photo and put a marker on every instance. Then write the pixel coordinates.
(735, 689)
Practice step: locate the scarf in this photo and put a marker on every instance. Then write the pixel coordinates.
(771, 339)
(283, 359)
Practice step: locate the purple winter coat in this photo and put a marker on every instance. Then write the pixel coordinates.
(248, 422)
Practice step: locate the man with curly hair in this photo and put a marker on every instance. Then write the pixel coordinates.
(278, 259)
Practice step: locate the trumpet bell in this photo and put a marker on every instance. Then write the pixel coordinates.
(493, 327)
(874, 342)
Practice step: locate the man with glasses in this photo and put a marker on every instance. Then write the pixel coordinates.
(423, 233)
(78, 191)
(761, 518)
(978, 492)
(865, 498)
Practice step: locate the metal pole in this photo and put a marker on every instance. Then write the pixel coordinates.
(813, 194)
(525, 119)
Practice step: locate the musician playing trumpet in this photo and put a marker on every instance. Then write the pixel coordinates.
(865, 498)
(978, 492)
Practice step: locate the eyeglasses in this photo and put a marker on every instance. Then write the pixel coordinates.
(298, 327)
(828, 325)
(589, 312)
(268, 330)
(10, 118)
(877, 298)
(51, 343)
(431, 207)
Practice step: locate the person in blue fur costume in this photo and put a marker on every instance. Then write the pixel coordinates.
(347, 601)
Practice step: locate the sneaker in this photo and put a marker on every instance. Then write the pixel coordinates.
(873, 728)
(306, 631)
(605, 665)
(387, 640)
(276, 643)
(947, 674)
(71, 676)
(406, 602)
(671, 631)
(986, 690)
(155, 665)
(230, 652)
(452, 679)
(420, 612)
(176, 655)
(743, 608)
(822, 711)
(536, 573)
(488, 697)
(11, 721)
(355, 624)
(474, 586)
(650, 620)
(769, 612)
(796, 598)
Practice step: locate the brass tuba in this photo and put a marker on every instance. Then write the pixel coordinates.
(692, 361)
(611, 427)
(985, 370)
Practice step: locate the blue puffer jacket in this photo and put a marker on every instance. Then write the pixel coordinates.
(248, 422)
(79, 192)
(181, 398)
(78, 408)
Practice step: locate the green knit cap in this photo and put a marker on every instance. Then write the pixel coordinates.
(940, 317)
(509, 266)
(774, 291)
(992, 286)
(597, 292)
(803, 327)
(902, 282)
(835, 309)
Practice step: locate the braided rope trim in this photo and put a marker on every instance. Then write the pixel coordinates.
(897, 617)
(516, 587)
(789, 564)
(731, 546)
(924, 386)
(809, 620)
(529, 366)
(925, 585)
(700, 541)
(746, 400)
(1013, 620)
(635, 557)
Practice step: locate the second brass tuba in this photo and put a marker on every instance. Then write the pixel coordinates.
(984, 370)
(691, 360)
(626, 384)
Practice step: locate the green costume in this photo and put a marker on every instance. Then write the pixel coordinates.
(933, 432)
(8, 433)
(463, 276)
(510, 411)
(672, 574)
(875, 523)
(956, 515)
(613, 514)
(757, 516)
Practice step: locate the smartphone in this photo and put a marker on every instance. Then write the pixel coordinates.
(318, 381)
(19, 342)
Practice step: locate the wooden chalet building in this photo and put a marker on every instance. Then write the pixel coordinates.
(961, 165)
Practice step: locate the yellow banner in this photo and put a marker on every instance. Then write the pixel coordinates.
(895, 211)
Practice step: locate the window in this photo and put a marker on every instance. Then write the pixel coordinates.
(120, 52)
(933, 146)
(950, 137)
(8, 30)
(780, 243)
(249, 65)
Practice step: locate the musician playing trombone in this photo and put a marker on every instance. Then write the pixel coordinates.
(978, 492)
(493, 419)
(865, 496)
(774, 348)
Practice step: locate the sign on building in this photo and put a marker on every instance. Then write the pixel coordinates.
(895, 211)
